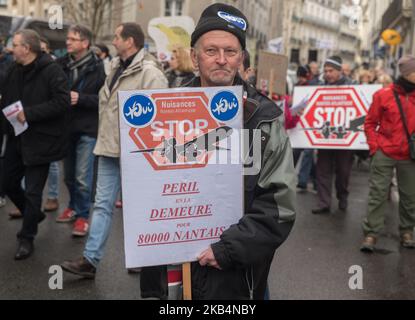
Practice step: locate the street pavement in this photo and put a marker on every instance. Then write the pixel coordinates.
(312, 264)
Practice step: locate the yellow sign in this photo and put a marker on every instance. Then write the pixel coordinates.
(391, 37)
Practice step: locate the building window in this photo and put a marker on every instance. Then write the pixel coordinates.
(173, 8)
(312, 55)
(295, 56)
(3, 3)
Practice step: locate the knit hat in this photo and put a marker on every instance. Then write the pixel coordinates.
(407, 65)
(335, 62)
(220, 16)
(303, 71)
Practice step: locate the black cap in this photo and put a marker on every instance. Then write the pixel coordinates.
(303, 71)
(335, 61)
(221, 16)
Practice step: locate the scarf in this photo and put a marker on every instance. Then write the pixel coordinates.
(406, 85)
(76, 66)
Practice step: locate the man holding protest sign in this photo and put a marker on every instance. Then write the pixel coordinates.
(328, 161)
(237, 266)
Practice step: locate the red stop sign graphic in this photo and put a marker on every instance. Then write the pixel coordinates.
(327, 119)
(181, 117)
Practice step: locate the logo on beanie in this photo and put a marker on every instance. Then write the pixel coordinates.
(224, 106)
(236, 21)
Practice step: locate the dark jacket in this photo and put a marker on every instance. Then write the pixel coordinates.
(42, 87)
(179, 79)
(343, 81)
(84, 116)
(246, 250)
(6, 61)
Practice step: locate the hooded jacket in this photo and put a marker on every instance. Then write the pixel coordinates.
(384, 127)
(43, 89)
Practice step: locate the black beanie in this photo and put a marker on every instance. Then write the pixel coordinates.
(303, 71)
(335, 61)
(220, 16)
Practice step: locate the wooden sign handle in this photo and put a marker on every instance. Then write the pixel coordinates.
(187, 281)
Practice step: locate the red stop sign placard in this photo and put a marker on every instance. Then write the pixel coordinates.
(182, 117)
(327, 119)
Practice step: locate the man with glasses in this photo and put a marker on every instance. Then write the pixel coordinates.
(237, 266)
(133, 69)
(86, 76)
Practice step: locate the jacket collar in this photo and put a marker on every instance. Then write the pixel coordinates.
(257, 107)
(137, 63)
(400, 90)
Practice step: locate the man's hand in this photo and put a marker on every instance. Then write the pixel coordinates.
(21, 117)
(207, 258)
(74, 98)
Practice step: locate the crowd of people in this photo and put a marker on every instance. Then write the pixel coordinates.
(70, 105)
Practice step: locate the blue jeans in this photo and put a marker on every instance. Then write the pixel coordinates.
(53, 181)
(79, 172)
(108, 187)
(306, 167)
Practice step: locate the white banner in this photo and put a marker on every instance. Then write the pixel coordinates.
(332, 117)
(176, 199)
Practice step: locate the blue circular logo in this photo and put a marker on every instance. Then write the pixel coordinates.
(139, 111)
(224, 106)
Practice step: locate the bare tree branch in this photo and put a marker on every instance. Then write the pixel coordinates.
(89, 13)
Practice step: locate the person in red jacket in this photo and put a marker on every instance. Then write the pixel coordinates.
(389, 148)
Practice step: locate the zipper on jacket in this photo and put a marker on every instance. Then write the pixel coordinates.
(250, 285)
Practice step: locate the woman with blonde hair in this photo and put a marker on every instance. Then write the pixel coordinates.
(365, 77)
(181, 69)
(385, 80)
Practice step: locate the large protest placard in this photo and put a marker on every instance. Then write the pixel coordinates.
(333, 117)
(272, 73)
(177, 199)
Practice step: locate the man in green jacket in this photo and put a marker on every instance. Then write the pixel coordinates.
(237, 266)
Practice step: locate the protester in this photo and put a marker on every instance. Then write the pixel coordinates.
(247, 72)
(133, 69)
(237, 266)
(181, 67)
(5, 63)
(105, 56)
(347, 70)
(333, 161)
(385, 80)
(86, 75)
(364, 77)
(387, 134)
(42, 87)
(308, 167)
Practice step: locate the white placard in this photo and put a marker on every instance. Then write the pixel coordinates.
(333, 117)
(11, 113)
(176, 199)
